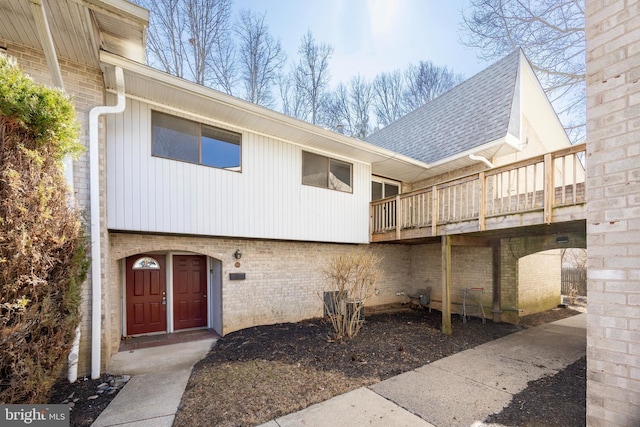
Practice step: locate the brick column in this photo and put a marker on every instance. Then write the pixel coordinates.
(509, 283)
(613, 218)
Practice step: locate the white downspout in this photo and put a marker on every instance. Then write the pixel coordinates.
(94, 177)
(482, 159)
(74, 355)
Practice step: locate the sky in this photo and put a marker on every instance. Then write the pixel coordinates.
(372, 36)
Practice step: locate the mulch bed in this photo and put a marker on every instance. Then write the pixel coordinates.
(555, 401)
(85, 397)
(261, 373)
(258, 374)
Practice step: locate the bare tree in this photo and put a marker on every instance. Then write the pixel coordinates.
(260, 58)
(361, 93)
(291, 99)
(387, 101)
(337, 113)
(350, 107)
(311, 75)
(185, 37)
(165, 49)
(426, 81)
(575, 258)
(222, 62)
(552, 35)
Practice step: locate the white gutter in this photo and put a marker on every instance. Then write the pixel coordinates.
(482, 159)
(94, 177)
(509, 140)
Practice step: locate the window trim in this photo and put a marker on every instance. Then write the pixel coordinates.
(329, 160)
(200, 124)
(384, 181)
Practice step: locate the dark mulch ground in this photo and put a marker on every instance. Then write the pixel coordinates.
(257, 374)
(84, 397)
(261, 373)
(556, 401)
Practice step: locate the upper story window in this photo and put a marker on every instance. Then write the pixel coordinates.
(321, 171)
(381, 189)
(181, 139)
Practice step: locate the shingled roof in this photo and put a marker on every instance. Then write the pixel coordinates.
(480, 110)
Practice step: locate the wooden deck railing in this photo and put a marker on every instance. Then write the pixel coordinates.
(541, 183)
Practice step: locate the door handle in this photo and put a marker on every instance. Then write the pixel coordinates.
(164, 300)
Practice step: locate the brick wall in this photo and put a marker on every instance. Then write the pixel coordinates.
(539, 280)
(471, 268)
(284, 280)
(613, 216)
(84, 84)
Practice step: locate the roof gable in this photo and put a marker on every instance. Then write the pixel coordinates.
(480, 110)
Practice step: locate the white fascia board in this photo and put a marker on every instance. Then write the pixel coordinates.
(161, 78)
(527, 69)
(121, 9)
(508, 140)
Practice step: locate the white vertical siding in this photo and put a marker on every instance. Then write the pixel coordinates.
(266, 200)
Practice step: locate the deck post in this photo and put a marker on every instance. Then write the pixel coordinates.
(399, 215)
(497, 285)
(446, 285)
(434, 211)
(549, 189)
(371, 226)
(482, 207)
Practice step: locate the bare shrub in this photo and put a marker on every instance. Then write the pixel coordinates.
(573, 295)
(42, 245)
(352, 280)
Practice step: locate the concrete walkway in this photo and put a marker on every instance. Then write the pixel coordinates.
(159, 377)
(459, 390)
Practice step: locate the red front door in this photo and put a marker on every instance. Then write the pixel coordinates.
(146, 301)
(189, 291)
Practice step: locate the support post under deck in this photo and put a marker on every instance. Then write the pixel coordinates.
(497, 285)
(446, 285)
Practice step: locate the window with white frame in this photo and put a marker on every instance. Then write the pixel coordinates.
(188, 141)
(325, 172)
(382, 188)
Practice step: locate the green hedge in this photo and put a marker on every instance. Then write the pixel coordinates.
(43, 260)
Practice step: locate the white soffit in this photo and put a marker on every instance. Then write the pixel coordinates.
(79, 27)
(499, 147)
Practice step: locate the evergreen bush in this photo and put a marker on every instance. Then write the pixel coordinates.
(43, 260)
